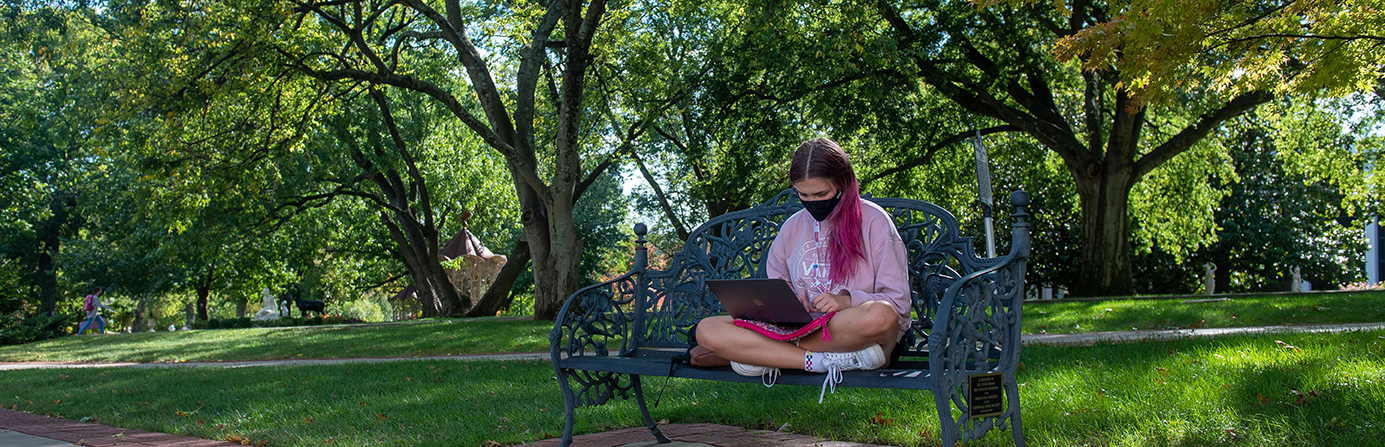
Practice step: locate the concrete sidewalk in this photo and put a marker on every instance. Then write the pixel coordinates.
(1090, 338)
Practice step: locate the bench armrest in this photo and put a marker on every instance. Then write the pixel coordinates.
(977, 330)
(599, 316)
(596, 319)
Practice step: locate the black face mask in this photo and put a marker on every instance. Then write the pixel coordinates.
(820, 209)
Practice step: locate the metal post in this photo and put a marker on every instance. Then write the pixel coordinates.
(1373, 255)
(983, 191)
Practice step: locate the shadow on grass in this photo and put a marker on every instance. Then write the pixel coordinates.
(441, 338)
(1233, 391)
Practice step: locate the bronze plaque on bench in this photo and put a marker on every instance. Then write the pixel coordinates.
(986, 395)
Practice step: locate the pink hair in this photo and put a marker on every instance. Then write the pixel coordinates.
(823, 158)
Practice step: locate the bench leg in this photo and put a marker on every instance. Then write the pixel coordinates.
(570, 405)
(1012, 390)
(949, 432)
(644, 410)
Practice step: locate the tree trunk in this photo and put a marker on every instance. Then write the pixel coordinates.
(1222, 278)
(497, 296)
(418, 246)
(562, 267)
(138, 325)
(203, 290)
(1106, 269)
(46, 276)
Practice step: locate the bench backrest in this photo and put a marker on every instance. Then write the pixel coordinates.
(736, 245)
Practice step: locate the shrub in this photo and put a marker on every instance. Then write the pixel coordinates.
(1363, 285)
(16, 330)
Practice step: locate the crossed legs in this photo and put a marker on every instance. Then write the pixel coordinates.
(853, 329)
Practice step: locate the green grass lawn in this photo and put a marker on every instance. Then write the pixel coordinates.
(1267, 390)
(471, 336)
(1067, 317)
(475, 336)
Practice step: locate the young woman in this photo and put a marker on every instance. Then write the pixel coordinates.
(841, 254)
(93, 307)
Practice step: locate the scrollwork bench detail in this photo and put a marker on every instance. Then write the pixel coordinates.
(967, 317)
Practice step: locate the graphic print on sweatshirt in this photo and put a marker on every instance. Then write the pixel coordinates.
(814, 270)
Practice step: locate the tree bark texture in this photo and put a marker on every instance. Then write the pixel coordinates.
(50, 237)
(204, 289)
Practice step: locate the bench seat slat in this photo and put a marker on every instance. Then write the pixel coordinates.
(913, 379)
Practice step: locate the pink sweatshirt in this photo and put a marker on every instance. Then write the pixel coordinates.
(883, 276)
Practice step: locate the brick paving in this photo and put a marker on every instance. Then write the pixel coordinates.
(77, 433)
(95, 435)
(690, 435)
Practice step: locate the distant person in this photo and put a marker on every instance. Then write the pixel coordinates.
(93, 307)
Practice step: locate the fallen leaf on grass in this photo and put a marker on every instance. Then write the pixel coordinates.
(382, 416)
(1302, 396)
(1284, 345)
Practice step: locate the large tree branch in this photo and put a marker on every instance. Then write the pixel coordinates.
(1297, 37)
(678, 227)
(567, 161)
(401, 147)
(1092, 111)
(482, 82)
(527, 169)
(928, 153)
(976, 98)
(1199, 129)
(698, 172)
(532, 60)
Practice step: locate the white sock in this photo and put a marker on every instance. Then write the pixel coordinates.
(812, 362)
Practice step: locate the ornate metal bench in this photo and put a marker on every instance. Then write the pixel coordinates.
(966, 309)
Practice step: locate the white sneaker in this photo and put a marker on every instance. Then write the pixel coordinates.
(872, 357)
(768, 375)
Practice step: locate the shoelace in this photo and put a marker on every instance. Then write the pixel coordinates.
(772, 374)
(834, 376)
(834, 372)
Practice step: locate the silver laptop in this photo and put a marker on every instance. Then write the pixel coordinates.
(760, 299)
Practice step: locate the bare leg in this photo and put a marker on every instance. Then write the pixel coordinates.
(852, 329)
